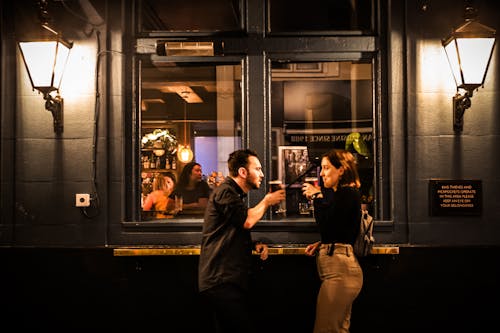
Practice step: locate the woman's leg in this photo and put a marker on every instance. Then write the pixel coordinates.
(342, 279)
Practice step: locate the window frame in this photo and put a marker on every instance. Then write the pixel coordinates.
(333, 32)
(365, 58)
(180, 33)
(256, 54)
(216, 60)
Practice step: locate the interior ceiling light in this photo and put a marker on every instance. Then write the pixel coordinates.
(186, 93)
(184, 152)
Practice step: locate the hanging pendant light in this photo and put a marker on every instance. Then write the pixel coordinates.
(184, 152)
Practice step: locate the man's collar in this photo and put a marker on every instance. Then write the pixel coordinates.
(237, 187)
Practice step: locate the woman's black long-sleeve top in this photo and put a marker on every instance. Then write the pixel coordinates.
(338, 214)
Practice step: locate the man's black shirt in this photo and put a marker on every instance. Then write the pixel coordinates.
(226, 247)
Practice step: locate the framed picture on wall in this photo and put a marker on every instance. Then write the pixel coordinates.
(293, 161)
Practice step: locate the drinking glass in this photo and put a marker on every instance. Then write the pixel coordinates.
(279, 209)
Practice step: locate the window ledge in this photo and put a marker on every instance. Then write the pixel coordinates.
(275, 249)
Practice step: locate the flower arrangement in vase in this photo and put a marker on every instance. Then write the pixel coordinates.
(161, 140)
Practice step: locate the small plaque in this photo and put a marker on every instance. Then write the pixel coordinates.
(455, 197)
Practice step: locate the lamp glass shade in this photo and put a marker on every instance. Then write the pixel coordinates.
(184, 154)
(469, 59)
(452, 54)
(45, 62)
(474, 57)
(469, 49)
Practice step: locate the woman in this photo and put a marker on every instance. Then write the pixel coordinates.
(337, 209)
(193, 190)
(158, 200)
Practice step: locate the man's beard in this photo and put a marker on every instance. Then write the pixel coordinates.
(252, 184)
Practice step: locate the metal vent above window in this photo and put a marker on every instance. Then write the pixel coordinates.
(189, 48)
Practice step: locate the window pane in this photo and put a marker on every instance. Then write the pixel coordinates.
(319, 15)
(316, 107)
(191, 15)
(195, 106)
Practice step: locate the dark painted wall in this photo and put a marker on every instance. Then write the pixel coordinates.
(57, 274)
(41, 172)
(434, 151)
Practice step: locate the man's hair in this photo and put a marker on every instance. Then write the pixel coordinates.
(239, 159)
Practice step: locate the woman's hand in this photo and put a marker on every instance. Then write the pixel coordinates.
(311, 249)
(309, 189)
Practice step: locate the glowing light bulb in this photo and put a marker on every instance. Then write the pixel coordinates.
(185, 154)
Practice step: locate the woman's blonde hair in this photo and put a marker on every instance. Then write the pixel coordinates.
(159, 182)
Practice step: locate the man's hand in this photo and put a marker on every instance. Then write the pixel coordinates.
(263, 250)
(273, 198)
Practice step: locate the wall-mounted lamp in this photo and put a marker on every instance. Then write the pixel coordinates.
(45, 59)
(469, 49)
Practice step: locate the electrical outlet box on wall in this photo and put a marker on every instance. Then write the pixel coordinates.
(82, 200)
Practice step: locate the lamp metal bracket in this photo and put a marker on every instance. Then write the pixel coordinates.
(54, 104)
(460, 104)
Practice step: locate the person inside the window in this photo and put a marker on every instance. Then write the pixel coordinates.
(193, 190)
(158, 200)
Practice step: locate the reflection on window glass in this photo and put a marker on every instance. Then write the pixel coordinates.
(191, 15)
(317, 107)
(190, 122)
(319, 15)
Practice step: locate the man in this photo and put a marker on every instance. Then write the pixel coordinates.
(226, 246)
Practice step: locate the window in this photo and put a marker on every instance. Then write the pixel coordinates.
(319, 16)
(198, 16)
(195, 106)
(289, 98)
(315, 107)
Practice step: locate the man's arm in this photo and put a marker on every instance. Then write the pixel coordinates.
(255, 213)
